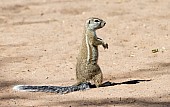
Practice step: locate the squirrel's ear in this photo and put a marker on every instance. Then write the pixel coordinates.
(88, 21)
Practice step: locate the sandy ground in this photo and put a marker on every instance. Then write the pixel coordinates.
(39, 42)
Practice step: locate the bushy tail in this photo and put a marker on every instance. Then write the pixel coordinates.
(52, 89)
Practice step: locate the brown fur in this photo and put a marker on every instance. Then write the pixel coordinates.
(87, 68)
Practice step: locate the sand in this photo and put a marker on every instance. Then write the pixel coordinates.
(39, 42)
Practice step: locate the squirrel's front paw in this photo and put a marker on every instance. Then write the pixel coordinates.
(105, 46)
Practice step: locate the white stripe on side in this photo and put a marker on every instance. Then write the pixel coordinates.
(88, 49)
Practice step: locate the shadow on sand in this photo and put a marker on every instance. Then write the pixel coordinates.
(108, 83)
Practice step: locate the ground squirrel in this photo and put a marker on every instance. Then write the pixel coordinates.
(87, 68)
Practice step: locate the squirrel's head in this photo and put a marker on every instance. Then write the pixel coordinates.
(94, 23)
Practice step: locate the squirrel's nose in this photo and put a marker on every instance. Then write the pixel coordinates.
(103, 23)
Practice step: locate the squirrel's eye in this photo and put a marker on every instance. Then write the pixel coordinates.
(96, 20)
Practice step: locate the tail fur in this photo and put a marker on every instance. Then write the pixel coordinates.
(52, 89)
